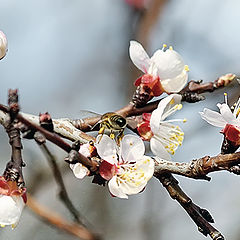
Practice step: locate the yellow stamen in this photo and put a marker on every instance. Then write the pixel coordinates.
(170, 48)
(164, 45)
(184, 120)
(225, 96)
(186, 68)
(172, 101)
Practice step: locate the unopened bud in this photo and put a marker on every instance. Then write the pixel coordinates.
(3, 45)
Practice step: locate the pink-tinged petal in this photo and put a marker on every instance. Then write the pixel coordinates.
(106, 148)
(115, 188)
(176, 84)
(132, 148)
(158, 149)
(212, 117)
(79, 170)
(139, 56)
(107, 170)
(232, 133)
(169, 63)
(226, 113)
(10, 209)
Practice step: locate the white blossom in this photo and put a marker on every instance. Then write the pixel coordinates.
(10, 209)
(226, 116)
(167, 64)
(166, 136)
(126, 167)
(79, 170)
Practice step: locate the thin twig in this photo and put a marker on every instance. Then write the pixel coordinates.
(62, 189)
(57, 221)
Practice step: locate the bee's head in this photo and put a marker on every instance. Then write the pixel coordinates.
(121, 122)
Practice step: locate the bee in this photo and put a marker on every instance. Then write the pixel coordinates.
(109, 122)
(114, 123)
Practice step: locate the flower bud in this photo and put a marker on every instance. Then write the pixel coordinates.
(3, 45)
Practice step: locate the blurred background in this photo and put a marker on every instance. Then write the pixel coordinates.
(70, 55)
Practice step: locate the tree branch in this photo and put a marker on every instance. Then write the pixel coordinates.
(57, 221)
(200, 216)
(199, 168)
(63, 195)
(13, 171)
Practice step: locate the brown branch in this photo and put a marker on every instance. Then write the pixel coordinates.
(13, 169)
(63, 195)
(54, 138)
(57, 221)
(200, 216)
(189, 94)
(199, 168)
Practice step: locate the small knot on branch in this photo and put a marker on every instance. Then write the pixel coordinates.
(197, 168)
(45, 121)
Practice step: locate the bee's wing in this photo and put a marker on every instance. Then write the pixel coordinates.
(84, 114)
(87, 114)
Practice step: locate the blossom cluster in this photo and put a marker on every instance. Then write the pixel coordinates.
(123, 163)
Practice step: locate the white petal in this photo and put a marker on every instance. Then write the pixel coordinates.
(226, 113)
(176, 84)
(115, 189)
(10, 209)
(106, 148)
(84, 150)
(169, 63)
(79, 170)
(139, 57)
(236, 110)
(135, 176)
(132, 148)
(158, 149)
(212, 117)
(3, 45)
(165, 108)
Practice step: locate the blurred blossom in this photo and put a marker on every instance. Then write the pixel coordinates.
(3, 45)
(139, 4)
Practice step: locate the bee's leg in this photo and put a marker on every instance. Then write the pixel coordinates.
(120, 136)
(101, 131)
(112, 136)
